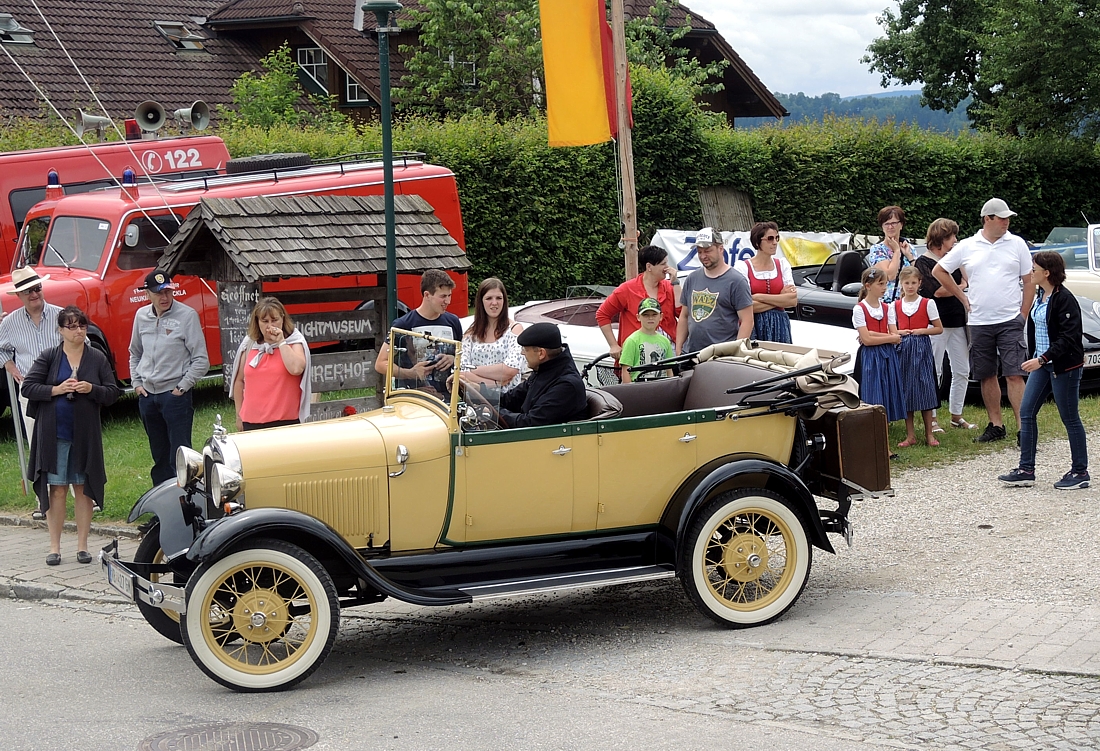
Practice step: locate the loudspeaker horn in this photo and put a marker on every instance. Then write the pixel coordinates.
(150, 116)
(198, 115)
(85, 122)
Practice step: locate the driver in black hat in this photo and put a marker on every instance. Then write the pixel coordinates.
(555, 392)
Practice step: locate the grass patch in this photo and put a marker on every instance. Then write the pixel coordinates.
(126, 448)
(957, 445)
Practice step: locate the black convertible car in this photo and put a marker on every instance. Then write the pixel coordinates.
(828, 292)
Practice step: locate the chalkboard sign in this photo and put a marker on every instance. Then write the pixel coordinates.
(235, 303)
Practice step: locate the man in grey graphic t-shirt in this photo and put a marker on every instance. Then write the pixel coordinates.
(717, 302)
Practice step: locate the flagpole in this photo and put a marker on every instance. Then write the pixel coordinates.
(623, 142)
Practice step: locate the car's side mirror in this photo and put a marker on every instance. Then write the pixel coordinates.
(131, 237)
(851, 289)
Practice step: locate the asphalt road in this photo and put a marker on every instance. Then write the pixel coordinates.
(97, 678)
(965, 616)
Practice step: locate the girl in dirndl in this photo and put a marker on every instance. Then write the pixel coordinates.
(880, 372)
(916, 320)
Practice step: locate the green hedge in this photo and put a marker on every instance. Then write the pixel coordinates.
(838, 174)
(542, 219)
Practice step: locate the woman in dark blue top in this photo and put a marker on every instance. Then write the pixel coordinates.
(66, 387)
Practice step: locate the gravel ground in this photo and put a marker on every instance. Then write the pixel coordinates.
(956, 531)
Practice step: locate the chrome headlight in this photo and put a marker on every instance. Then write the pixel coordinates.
(225, 484)
(188, 467)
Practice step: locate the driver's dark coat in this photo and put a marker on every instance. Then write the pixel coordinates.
(553, 394)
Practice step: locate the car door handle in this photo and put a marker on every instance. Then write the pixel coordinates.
(688, 438)
(561, 450)
(808, 310)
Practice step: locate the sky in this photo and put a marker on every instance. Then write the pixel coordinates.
(812, 46)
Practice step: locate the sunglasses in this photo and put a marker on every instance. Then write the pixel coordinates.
(75, 326)
(772, 238)
(35, 290)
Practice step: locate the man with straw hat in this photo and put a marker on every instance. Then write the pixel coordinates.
(27, 332)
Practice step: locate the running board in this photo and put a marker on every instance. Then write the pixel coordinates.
(569, 581)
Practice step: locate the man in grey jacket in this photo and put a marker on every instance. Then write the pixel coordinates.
(167, 356)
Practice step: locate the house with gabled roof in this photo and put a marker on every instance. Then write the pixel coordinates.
(179, 51)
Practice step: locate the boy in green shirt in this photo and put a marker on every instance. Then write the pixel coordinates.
(647, 344)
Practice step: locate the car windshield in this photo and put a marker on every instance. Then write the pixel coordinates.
(73, 242)
(1066, 235)
(422, 362)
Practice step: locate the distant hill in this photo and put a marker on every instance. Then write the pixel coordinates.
(899, 106)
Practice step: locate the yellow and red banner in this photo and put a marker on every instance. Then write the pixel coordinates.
(577, 58)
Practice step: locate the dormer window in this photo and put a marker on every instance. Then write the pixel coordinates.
(180, 35)
(13, 32)
(313, 62)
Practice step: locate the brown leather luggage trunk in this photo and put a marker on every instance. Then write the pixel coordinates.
(857, 449)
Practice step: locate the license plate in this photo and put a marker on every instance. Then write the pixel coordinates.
(120, 579)
(1092, 359)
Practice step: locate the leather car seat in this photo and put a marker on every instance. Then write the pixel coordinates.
(602, 405)
(849, 268)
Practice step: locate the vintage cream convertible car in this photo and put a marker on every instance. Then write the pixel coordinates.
(709, 476)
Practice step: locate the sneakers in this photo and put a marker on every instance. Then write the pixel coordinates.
(992, 433)
(1019, 478)
(38, 515)
(1073, 481)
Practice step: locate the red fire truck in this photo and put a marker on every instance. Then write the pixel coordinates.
(98, 246)
(24, 175)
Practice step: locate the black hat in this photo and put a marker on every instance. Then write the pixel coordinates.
(545, 335)
(155, 281)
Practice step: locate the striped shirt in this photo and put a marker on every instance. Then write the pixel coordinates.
(22, 341)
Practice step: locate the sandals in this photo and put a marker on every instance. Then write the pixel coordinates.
(936, 427)
(53, 559)
(961, 423)
(907, 444)
(82, 556)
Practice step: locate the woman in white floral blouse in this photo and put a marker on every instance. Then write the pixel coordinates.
(490, 352)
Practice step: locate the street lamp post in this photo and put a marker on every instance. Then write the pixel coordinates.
(382, 10)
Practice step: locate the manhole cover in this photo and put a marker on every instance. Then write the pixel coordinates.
(232, 736)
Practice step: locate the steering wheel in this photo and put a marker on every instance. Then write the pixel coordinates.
(485, 415)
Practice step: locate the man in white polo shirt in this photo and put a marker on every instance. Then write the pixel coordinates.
(998, 265)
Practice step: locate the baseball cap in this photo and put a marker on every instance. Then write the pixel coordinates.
(155, 281)
(997, 207)
(649, 305)
(704, 238)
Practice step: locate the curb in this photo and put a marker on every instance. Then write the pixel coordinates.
(16, 590)
(103, 530)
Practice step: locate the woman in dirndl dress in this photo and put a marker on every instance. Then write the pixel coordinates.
(917, 319)
(771, 283)
(880, 371)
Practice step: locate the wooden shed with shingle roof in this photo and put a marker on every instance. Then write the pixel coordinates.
(241, 243)
(267, 238)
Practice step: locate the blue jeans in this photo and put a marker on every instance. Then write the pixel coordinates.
(1065, 387)
(167, 420)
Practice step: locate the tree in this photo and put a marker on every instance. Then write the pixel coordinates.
(474, 56)
(652, 42)
(272, 97)
(1028, 64)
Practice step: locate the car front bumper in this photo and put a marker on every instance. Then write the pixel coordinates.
(136, 587)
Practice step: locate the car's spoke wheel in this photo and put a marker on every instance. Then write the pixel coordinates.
(746, 557)
(262, 618)
(166, 622)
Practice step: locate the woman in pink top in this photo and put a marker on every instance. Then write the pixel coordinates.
(271, 370)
